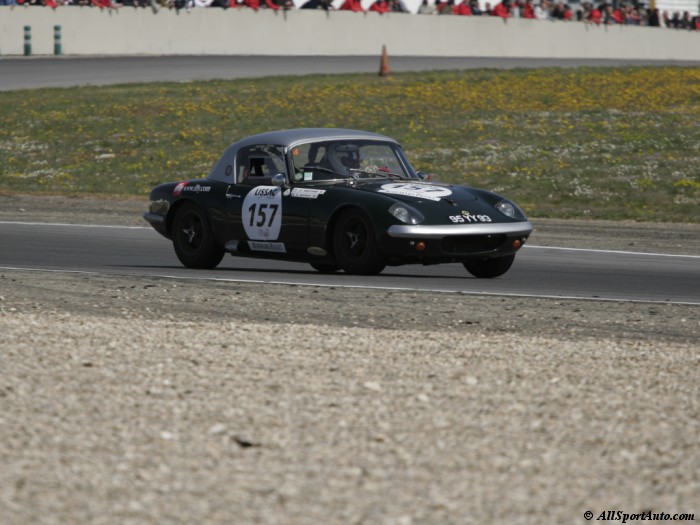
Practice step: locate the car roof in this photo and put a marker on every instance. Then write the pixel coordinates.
(287, 138)
(291, 137)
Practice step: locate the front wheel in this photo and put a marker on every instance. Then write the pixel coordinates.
(193, 239)
(490, 268)
(355, 246)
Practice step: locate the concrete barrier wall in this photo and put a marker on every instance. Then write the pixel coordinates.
(212, 31)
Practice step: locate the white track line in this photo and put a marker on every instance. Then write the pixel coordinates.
(61, 224)
(617, 252)
(354, 286)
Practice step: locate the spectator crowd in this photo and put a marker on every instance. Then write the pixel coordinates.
(617, 12)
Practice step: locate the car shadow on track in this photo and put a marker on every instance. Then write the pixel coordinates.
(288, 271)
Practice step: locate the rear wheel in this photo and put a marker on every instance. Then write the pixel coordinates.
(490, 268)
(325, 268)
(355, 247)
(193, 239)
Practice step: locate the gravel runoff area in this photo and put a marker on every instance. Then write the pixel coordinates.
(154, 401)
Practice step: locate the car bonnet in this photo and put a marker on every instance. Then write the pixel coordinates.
(419, 191)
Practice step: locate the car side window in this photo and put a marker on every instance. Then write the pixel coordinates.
(256, 165)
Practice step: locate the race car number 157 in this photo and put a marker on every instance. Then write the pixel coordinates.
(262, 213)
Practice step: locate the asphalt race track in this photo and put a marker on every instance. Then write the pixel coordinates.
(41, 72)
(537, 272)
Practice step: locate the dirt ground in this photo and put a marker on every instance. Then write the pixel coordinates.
(152, 401)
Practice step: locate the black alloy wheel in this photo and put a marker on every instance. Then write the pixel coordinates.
(355, 246)
(193, 239)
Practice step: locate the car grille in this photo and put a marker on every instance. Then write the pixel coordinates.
(466, 244)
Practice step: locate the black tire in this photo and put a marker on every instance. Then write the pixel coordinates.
(490, 268)
(325, 268)
(193, 239)
(355, 246)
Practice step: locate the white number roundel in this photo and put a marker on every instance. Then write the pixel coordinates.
(420, 191)
(262, 213)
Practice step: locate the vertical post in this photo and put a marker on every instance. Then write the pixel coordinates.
(57, 40)
(384, 70)
(27, 40)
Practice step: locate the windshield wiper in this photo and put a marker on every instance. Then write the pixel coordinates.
(317, 168)
(378, 173)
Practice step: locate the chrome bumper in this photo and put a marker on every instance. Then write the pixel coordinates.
(450, 230)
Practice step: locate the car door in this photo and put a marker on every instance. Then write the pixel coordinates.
(267, 217)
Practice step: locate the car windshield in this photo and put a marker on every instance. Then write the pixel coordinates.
(357, 159)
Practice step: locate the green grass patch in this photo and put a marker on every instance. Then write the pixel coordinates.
(569, 143)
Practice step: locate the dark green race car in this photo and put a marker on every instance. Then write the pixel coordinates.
(339, 200)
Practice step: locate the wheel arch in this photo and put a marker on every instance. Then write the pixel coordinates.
(333, 220)
(172, 213)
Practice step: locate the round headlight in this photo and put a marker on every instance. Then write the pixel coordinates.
(508, 209)
(406, 214)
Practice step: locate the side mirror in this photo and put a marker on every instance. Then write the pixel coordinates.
(423, 176)
(280, 180)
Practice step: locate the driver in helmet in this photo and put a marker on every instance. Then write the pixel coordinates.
(344, 157)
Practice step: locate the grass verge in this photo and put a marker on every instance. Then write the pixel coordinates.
(599, 143)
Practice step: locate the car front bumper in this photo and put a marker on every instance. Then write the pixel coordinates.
(419, 231)
(440, 243)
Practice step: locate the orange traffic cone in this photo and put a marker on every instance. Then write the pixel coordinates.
(384, 70)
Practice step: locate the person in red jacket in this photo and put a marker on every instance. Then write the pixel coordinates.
(380, 6)
(568, 13)
(617, 16)
(596, 17)
(527, 10)
(502, 9)
(352, 5)
(462, 9)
